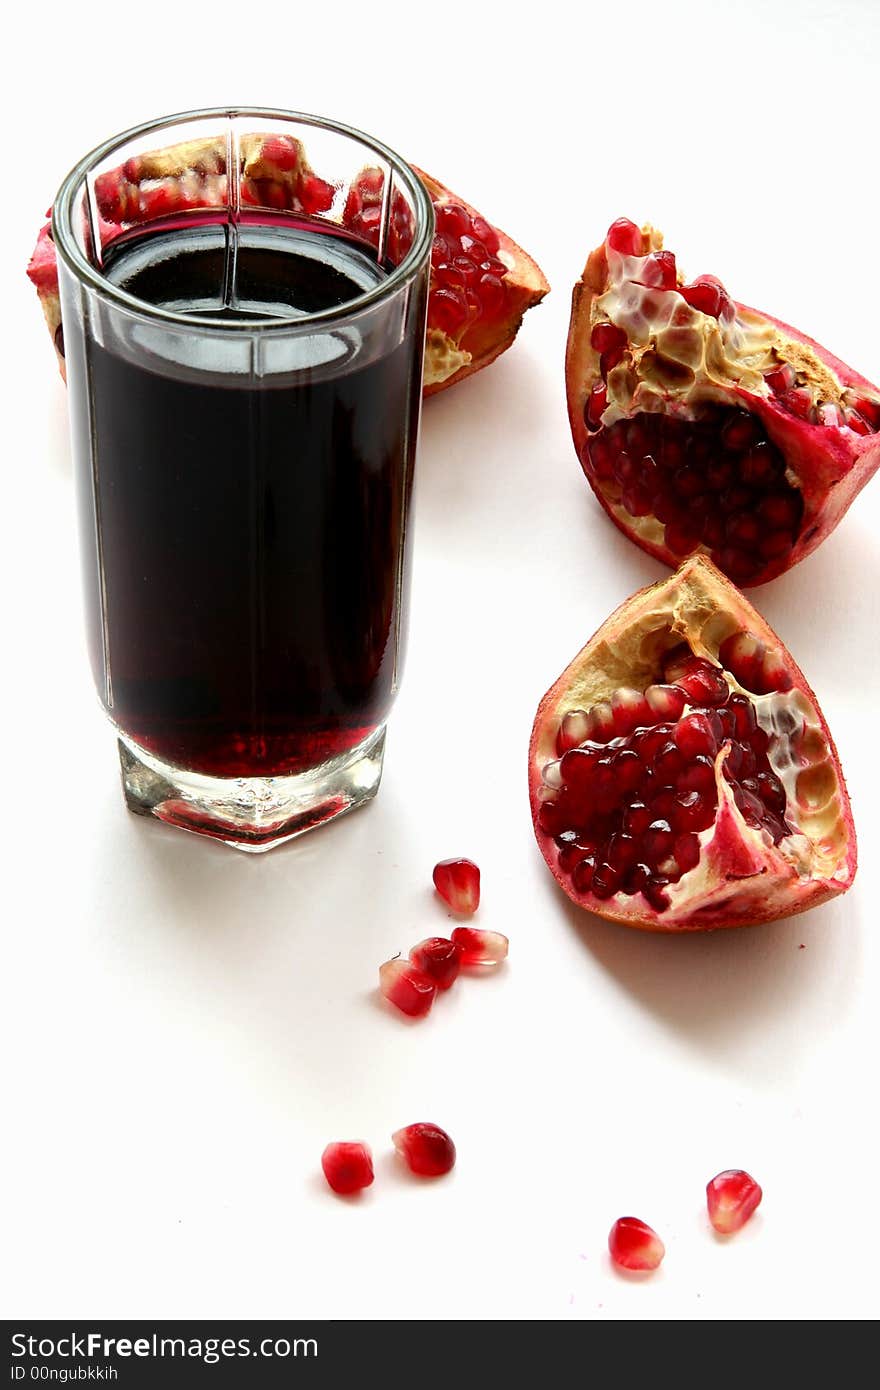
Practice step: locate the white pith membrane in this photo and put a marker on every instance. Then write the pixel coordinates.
(737, 861)
(443, 357)
(680, 360)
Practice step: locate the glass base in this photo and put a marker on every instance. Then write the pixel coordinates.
(251, 813)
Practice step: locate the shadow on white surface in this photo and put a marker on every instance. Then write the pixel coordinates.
(725, 992)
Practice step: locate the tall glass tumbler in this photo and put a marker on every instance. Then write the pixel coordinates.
(243, 302)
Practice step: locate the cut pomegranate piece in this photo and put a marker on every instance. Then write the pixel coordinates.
(723, 807)
(406, 987)
(635, 1246)
(426, 1149)
(439, 959)
(732, 1197)
(458, 883)
(347, 1167)
(482, 283)
(715, 428)
(480, 947)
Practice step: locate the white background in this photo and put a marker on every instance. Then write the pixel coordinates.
(187, 1026)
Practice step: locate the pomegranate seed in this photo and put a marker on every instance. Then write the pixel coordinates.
(781, 379)
(625, 237)
(694, 734)
(439, 959)
(658, 271)
(665, 701)
(629, 709)
(449, 310)
(485, 233)
(426, 1149)
(732, 1197)
(634, 1246)
(798, 401)
(596, 403)
(458, 883)
(582, 873)
(452, 219)
(868, 408)
(406, 987)
(607, 337)
(490, 294)
(281, 151)
(480, 947)
(572, 730)
(348, 1168)
(704, 295)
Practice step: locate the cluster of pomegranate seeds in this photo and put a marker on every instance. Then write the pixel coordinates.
(634, 784)
(716, 482)
(458, 883)
(732, 1197)
(348, 1168)
(426, 1149)
(364, 210)
(467, 275)
(635, 1246)
(412, 985)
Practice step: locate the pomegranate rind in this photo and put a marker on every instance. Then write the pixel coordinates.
(828, 465)
(525, 285)
(192, 174)
(740, 879)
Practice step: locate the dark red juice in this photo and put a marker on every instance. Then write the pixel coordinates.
(246, 597)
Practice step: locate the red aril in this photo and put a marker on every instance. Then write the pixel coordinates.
(635, 1246)
(732, 1197)
(482, 283)
(348, 1168)
(425, 1148)
(406, 987)
(725, 804)
(480, 947)
(439, 959)
(458, 883)
(703, 425)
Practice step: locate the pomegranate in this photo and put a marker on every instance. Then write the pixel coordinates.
(425, 1148)
(439, 959)
(347, 1167)
(681, 773)
(481, 281)
(732, 1197)
(458, 883)
(635, 1246)
(477, 947)
(407, 987)
(703, 425)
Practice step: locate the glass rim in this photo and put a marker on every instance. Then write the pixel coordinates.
(67, 247)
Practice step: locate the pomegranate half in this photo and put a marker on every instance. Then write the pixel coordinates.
(706, 426)
(681, 773)
(481, 282)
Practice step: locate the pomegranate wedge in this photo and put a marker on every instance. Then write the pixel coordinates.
(703, 425)
(681, 773)
(481, 282)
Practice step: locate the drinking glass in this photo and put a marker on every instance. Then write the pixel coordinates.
(243, 299)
